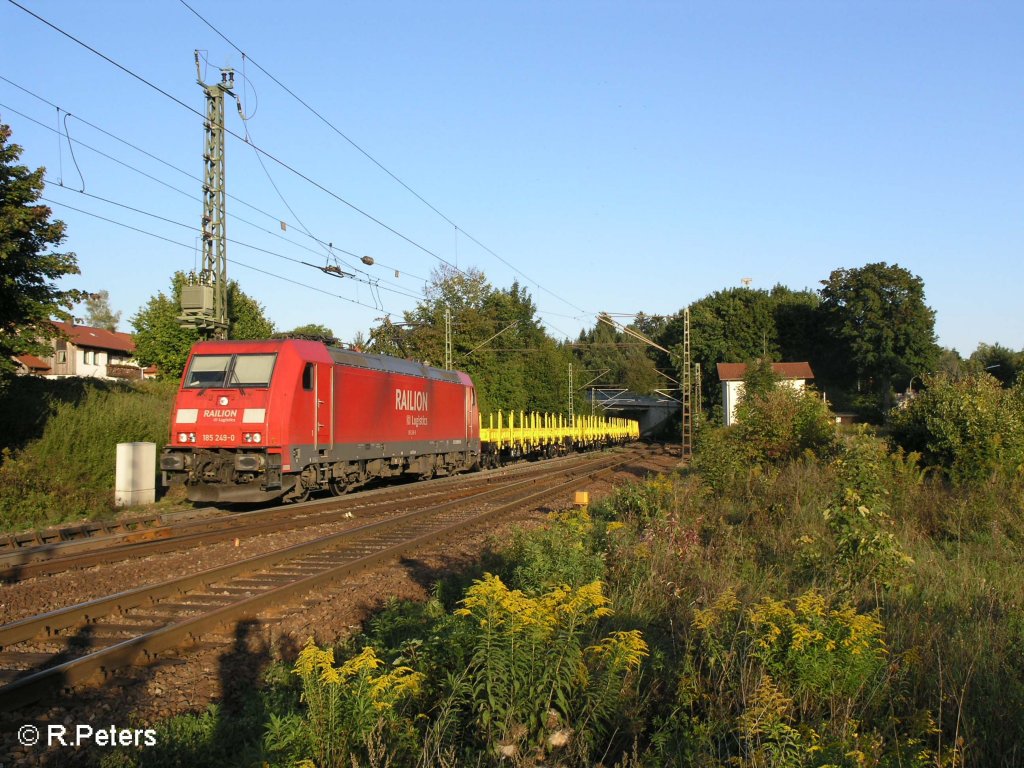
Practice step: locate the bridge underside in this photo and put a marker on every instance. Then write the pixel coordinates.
(655, 413)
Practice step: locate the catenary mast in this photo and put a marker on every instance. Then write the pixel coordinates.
(204, 299)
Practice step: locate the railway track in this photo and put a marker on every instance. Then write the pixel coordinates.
(99, 543)
(44, 654)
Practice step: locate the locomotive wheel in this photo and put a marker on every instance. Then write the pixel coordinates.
(338, 487)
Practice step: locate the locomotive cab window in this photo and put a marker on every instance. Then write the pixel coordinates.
(307, 377)
(230, 371)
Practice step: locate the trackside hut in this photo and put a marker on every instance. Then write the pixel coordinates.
(795, 375)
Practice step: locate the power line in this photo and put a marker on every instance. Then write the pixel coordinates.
(127, 143)
(372, 159)
(230, 240)
(323, 119)
(139, 171)
(190, 247)
(262, 151)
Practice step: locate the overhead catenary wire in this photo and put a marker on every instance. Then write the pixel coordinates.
(235, 135)
(233, 241)
(189, 246)
(163, 92)
(329, 124)
(180, 191)
(150, 155)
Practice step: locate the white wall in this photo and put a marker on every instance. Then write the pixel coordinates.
(732, 391)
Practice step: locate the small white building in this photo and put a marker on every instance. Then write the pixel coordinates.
(795, 375)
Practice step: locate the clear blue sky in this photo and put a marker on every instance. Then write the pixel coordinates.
(622, 156)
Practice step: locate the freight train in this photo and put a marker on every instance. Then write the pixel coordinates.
(256, 421)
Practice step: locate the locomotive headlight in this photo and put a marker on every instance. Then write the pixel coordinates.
(257, 437)
(191, 437)
(222, 400)
(182, 437)
(247, 437)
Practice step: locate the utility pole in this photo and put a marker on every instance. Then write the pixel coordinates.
(687, 387)
(204, 300)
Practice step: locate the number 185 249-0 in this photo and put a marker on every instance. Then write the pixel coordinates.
(219, 438)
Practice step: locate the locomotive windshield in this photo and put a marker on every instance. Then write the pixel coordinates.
(230, 371)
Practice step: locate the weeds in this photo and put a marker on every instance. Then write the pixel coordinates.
(68, 472)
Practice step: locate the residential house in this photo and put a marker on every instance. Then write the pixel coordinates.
(82, 350)
(795, 375)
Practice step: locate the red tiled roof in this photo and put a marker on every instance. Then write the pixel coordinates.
(736, 371)
(33, 363)
(97, 338)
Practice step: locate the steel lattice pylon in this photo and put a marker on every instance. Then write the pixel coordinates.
(687, 387)
(204, 300)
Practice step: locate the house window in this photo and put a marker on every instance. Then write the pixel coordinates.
(62, 356)
(87, 356)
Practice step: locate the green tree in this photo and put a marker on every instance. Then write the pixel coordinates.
(162, 341)
(739, 325)
(246, 316)
(98, 313)
(882, 329)
(617, 359)
(497, 339)
(29, 296)
(314, 330)
(998, 361)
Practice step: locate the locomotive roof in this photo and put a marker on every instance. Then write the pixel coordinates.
(340, 356)
(390, 364)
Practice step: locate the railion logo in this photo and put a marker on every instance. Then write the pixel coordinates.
(410, 400)
(219, 413)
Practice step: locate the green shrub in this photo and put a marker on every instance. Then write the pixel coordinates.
(970, 426)
(350, 705)
(564, 551)
(534, 683)
(783, 423)
(68, 472)
(720, 458)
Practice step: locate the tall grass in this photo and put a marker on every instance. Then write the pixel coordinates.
(68, 471)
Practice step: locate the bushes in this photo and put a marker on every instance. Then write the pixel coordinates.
(349, 705)
(783, 423)
(69, 471)
(775, 424)
(970, 426)
(532, 682)
(790, 679)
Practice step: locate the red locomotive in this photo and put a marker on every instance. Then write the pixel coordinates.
(260, 420)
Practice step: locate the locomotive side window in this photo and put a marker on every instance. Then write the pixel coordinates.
(230, 371)
(307, 377)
